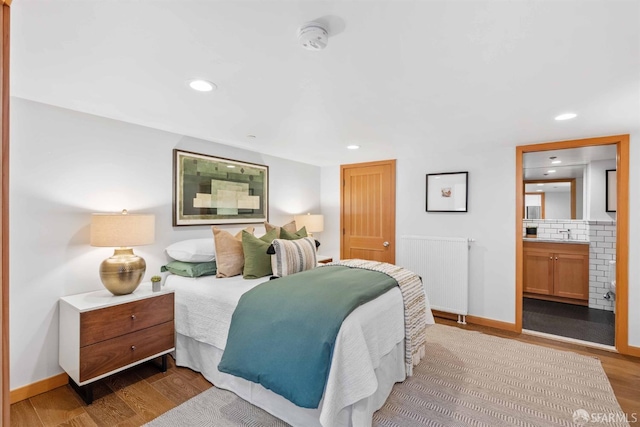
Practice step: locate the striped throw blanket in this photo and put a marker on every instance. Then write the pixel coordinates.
(414, 306)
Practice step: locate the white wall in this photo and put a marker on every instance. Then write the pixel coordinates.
(66, 165)
(557, 205)
(579, 198)
(490, 220)
(330, 201)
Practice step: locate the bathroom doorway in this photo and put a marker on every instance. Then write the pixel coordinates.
(570, 237)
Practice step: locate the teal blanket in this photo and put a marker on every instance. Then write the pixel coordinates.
(283, 331)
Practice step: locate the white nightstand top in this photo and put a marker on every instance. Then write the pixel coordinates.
(98, 299)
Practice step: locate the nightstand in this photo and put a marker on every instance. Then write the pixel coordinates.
(322, 259)
(101, 334)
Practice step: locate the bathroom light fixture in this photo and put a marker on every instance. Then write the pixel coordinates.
(551, 171)
(555, 162)
(230, 166)
(202, 85)
(353, 147)
(566, 116)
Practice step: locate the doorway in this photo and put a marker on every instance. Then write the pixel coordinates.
(556, 255)
(368, 211)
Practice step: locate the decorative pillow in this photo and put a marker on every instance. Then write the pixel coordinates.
(290, 227)
(193, 250)
(293, 256)
(257, 263)
(229, 256)
(190, 269)
(284, 234)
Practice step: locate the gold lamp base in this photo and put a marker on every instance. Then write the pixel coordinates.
(122, 272)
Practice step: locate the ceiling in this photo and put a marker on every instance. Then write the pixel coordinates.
(536, 165)
(447, 74)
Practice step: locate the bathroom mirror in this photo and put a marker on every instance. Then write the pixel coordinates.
(550, 199)
(570, 183)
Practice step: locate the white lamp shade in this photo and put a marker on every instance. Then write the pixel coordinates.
(122, 230)
(312, 223)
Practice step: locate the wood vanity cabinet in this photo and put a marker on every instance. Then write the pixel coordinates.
(556, 271)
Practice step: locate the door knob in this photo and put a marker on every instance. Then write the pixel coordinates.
(385, 244)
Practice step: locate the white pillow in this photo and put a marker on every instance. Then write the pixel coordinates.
(193, 250)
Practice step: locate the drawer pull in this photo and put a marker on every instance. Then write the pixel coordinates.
(133, 317)
(133, 347)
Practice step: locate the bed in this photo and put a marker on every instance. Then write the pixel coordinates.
(368, 357)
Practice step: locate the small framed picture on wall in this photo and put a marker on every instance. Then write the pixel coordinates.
(447, 192)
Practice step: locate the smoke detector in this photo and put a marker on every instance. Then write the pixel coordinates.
(313, 36)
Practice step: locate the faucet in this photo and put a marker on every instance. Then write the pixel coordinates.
(568, 231)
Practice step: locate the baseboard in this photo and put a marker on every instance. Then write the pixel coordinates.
(444, 315)
(476, 320)
(38, 387)
(492, 323)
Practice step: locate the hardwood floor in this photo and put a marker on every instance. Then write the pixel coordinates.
(138, 395)
(128, 399)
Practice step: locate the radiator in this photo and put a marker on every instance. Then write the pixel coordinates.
(443, 264)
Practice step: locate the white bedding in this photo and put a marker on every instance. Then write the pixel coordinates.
(204, 307)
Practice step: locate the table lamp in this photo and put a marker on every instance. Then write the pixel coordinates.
(312, 223)
(123, 271)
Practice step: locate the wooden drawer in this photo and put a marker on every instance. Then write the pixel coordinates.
(114, 321)
(105, 356)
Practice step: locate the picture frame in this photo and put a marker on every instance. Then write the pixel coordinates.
(611, 190)
(447, 192)
(209, 190)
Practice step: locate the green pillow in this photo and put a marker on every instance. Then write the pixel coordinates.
(190, 269)
(257, 263)
(284, 234)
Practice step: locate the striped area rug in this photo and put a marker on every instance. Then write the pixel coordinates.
(466, 379)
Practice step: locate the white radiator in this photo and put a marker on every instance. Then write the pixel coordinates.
(443, 264)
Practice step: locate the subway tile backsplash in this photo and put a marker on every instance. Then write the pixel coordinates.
(601, 236)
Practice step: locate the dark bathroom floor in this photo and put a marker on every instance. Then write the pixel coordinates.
(567, 320)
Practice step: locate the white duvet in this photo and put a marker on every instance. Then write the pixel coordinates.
(204, 307)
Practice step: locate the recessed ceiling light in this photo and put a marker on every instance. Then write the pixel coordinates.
(230, 166)
(555, 162)
(566, 116)
(202, 85)
(540, 185)
(353, 147)
(551, 171)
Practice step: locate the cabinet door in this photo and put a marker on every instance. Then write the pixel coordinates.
(538, 272)
(571, 276)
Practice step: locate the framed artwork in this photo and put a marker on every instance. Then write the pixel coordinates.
(447, 192)
(211, 190)
(611, 195)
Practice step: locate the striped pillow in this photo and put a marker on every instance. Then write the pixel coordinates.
(293, 256)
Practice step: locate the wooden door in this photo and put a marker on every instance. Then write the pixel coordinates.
(368, 211)
(571, 276)
(538, 272)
